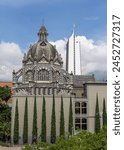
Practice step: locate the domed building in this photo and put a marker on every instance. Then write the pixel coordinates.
(42, 79)
(42, 72)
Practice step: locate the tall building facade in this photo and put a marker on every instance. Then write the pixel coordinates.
(73, 56)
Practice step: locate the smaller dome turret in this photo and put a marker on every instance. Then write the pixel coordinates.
(43, 33)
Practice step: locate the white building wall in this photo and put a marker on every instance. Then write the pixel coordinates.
(39, 101)
(74, 60)
(92, 91)
(71, 54)
(77, 58)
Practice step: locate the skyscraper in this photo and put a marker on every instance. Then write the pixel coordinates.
(73, 57)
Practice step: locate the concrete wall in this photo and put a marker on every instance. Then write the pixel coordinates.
(39, 100)
(92, 91)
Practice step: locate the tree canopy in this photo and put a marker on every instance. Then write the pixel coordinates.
(82, 141)
(5, 121)
(5, 93)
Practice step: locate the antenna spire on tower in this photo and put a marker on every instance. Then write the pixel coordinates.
(74, 28)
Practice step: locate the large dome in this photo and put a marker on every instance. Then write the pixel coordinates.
(42, 49)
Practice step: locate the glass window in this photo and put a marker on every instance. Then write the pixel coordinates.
(77, 120)
(80, 107)
(77, 110)
(84, 107)
(84, 104)
(77, 126)
(77, 104)
(84, 123)
(81, 123)
(84, 120)
(84, 126)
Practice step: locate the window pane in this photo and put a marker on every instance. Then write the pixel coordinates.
(84, 126)
(77, 126)
(84, 120)
(84, 110)
(77, 104)
(84, 104)
(77, 110)
(77, 120)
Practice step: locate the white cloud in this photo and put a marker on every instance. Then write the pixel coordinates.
(61, 47)
(93, 57)
(10, 58)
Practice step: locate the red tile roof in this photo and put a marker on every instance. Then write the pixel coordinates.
(9, 84)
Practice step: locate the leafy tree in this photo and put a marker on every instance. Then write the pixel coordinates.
(43, 130)
(5, 93)
(16, 125)
(5, 123)
(34, 132)
(104, 113)
(97, 116)
(83, 140)
(70, 117)
(62, 124)
(25, 127)
(53, 122)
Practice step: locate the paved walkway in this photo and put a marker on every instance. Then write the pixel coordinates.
(10, 148)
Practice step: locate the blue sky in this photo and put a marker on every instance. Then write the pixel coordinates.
(20, 20)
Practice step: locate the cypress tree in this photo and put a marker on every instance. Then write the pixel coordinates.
(34, 132)
(53, 122)
(62, 124)
(43, 131)
(104, 113)
(70, 117)
(25, 127)
(97, 116)
(16, 125)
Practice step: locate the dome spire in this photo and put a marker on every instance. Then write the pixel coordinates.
(43, 32)
(43, 22)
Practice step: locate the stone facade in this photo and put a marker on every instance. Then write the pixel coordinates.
(42, 70)
(42, 74)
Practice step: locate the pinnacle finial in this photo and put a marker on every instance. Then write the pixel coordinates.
(42, 32)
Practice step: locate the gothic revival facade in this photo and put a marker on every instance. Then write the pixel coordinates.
(42, 75)
(42, 70)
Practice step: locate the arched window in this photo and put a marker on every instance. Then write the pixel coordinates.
(29, 76)
(43, 75)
